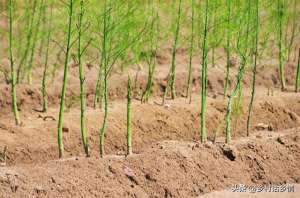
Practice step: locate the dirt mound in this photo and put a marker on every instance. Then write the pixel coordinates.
(29, 96)
(36, 139)
(176, 167)
(164, 169)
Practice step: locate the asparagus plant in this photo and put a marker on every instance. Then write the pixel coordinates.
(30, 24)
(204, 74)
(65, 78)
(105, 43)
(80, 52)
(228, 47)
(34, 41)
(254, 69)
(115, 43)
(12, 66)
(216, 35)
(129, 117)
(172, 73)
(191, 53)
(45, 71)
(280, 21)
(150, 56)
(243, 52)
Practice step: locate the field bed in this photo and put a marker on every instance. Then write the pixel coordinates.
(163, 169)
(35, 141)
(117, 98)
(168, 159)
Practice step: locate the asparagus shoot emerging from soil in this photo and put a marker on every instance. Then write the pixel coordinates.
(44, 80)
(151, 55)
(80, 52)
(64, 85)
(12, 67)
(105, 44)
(172, 73)
(280, 13)
(231, 97)
(129, 117)
(254, 67)
(204, 77)
(111, 52)
(189, 81)
(243, 52)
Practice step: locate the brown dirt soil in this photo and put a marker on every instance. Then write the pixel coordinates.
(168, 161)
(35, 140)
(163, 169)
(29, 96)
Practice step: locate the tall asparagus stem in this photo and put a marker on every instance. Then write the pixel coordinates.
(34, 41)
(80, 52)
(45, 72)
(204, 77)
(112, 52)
(228, 50)
(65, 78)
(129, 117)
(280, 10)
(190, 75)
(30, 24)
(172, 74)
(106, 21)
(12, 68)
(254, 68)
(233, 94)
(293, 31)
(243, 51)
(151, 56)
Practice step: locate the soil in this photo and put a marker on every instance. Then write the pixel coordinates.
(168, 159)
(164, 169)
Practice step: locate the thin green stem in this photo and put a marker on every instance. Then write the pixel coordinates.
(204, 75)
(228, 50)
(129, 117)
(65, 78)
(34, 41)
(189, 81)
(280, 11)
(30, 24)
(172, 74)
(106, 21)
(45, 72)
(13, 72)
(254, 69)
(80, 52)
